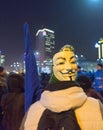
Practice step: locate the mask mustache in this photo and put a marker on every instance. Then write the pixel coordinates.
(69, 71)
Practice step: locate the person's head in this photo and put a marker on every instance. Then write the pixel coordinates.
(15, 83)
(1, 69)
(64, 64)
(99, 66)
(84, 82)
(78, 68)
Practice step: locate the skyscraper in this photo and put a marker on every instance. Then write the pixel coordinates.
(45, 44)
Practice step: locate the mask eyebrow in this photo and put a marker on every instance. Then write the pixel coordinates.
(72, 57)
(60, 58)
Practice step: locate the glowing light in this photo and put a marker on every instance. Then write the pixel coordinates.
(81, 55)
(94, 0)
(36, 53)
(102, 50)
(96, 45)
(43, 30)
(100, 41)
(44, 33)
(93, 3)
(76, 56)
(99, 54)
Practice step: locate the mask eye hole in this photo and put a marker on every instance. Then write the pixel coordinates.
(60, 63)
(74, 62)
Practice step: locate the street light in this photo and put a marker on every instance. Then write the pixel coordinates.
(99, 45)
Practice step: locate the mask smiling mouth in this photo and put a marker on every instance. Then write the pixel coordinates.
(68, 72)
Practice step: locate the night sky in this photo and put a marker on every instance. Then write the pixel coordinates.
(75, 22)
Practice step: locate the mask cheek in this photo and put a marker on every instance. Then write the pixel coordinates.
(57, 68)
(75, 67)
(57, 72)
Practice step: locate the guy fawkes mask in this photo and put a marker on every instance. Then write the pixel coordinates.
(64, 64)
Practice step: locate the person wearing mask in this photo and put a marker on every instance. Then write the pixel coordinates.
(63, 104)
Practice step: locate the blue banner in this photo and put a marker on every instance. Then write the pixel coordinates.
(32, 83)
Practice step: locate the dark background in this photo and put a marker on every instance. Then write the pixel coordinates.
(76, 22)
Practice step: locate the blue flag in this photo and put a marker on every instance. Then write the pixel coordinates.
(32, 83)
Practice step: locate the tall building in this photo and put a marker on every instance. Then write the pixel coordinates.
(2, 58)
(45, 44)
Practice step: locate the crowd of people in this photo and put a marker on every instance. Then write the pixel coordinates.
(53, 101)
(11, 100)
(96, 78)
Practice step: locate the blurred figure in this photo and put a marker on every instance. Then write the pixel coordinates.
(98, 79)
(80, 71)
(12, 103)
(3, 90)
(86, 84)
(3, 84)
(44, 79)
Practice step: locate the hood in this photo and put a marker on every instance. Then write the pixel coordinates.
(63, 100)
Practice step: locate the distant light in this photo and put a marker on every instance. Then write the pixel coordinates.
(44, 33)
(36, 53)
(94, 0)
(18, 65)
(100, 41)
(76, 56)
(81, 55)
(7, 72)
(2, 56)
(11, 65)
(96, 45)
(42, 30)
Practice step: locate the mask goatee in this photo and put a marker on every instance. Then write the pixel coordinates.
(70, 78)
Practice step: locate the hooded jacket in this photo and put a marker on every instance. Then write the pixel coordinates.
(60, 98)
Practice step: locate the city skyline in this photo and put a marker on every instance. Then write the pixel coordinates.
(45, 44)
(78, 23)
